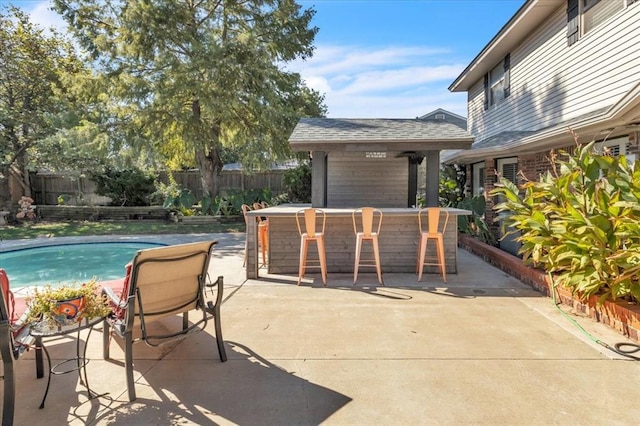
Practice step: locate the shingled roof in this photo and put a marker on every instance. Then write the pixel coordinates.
(326, 134)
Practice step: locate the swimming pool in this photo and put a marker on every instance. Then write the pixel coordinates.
(67, 263)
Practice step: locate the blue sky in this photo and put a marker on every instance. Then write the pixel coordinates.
(384, 59)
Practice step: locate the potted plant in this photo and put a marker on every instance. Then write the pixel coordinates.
(67, 304)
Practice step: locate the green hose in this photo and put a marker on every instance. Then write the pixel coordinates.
(624, 349)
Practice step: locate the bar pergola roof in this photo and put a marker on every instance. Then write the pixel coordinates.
(377, 134)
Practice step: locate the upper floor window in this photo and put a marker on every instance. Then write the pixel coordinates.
(598, 11)
(585, 15)
(497, 84)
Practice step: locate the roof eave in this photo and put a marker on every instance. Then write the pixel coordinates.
(521, 24)
(382, 145)
(588, 129)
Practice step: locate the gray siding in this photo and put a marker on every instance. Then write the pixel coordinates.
(356, 181)
(552, 82)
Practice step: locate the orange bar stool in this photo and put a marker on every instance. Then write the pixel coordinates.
(245, 208)
(314, 222)
(369, 216)
(433, 232)
(263, 233)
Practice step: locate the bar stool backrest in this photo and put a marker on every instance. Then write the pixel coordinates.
(369, 216)
(245, 208)
(311, 216)
(433, 219)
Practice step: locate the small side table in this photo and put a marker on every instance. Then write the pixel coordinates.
(79, 363)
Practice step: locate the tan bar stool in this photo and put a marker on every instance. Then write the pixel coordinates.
(369, 216)
(263, 233)
(311, 233)
(245, 208)
(435, 233)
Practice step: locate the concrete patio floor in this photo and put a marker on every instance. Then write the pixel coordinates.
(482, 349)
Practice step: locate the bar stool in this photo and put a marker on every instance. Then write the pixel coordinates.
(435, 233)
(263, 233)
(311, 233)
(369, 216)
(245, 208)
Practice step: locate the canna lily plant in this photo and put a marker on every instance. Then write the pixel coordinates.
(580, 221)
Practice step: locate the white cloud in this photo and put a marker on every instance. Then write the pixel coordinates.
(386, 82)
(43, 16)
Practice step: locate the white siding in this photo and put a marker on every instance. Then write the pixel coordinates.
(356, 181)
(552, 82)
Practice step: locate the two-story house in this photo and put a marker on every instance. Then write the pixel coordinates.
(555, 65)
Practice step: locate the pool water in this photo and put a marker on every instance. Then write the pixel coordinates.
(69, 263)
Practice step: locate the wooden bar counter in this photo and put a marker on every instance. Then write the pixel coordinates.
(398, 239)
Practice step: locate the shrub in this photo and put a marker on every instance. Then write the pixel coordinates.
(297, 182)
(475, 226)
(130, 187)
(580, 221)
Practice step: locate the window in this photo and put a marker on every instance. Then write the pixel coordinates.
(497, 83)
(596, 12)
(477, 179)
(440, 117)
(614, 147)
(508, 168)
(585, 15)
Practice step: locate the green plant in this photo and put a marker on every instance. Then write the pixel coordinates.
(297, 183)
(451, 185)
(181, 202)
(129, 187)
(581, 221)
(43, 303)
(63, 199)
(475, 225)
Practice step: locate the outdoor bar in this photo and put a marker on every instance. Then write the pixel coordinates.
(362, 163)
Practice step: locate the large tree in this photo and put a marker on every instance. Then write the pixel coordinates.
(35, 73)
(200, 76)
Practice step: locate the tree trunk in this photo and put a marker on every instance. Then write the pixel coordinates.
(208, 157)
(210, 167)
(5, 193)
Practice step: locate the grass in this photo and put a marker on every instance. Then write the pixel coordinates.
(140, 227)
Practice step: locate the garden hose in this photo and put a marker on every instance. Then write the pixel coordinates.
(625, 349)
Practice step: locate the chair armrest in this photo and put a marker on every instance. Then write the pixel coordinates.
(113, 298)
(210, 306)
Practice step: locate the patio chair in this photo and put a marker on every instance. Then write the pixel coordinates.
(368, 217)
(433, 232)
(163, 282)
(14, 341)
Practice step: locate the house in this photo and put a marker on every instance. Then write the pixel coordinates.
(447, 116)
(555, 65)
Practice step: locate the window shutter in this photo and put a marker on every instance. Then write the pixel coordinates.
(507, 75)
(573, 17)
(486, 92)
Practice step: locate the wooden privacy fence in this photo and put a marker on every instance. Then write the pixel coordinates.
(46, 188)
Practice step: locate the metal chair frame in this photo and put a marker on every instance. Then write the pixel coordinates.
(435, 233)
(368, 217)
(308, 235)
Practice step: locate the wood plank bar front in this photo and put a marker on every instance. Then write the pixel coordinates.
(398, 238)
